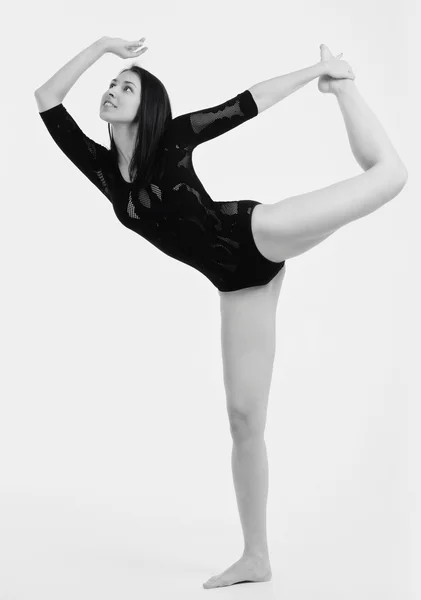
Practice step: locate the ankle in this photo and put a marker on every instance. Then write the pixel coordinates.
(262, 554)
(344, 86)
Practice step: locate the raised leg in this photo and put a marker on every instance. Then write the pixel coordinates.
(296, 224)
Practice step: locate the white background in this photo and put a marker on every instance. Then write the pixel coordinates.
(115, 473)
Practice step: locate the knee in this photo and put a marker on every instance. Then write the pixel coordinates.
(245, 424)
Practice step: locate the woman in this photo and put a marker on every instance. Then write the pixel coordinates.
(240, 246)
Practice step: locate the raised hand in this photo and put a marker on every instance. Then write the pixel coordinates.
(336, 71)
(124, 48)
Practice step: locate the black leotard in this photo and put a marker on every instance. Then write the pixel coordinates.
(176, 214)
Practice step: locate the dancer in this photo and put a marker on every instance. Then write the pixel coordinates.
(240, 245)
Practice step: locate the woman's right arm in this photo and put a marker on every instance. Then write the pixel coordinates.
(53, 91)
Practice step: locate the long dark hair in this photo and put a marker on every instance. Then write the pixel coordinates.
(154, 115)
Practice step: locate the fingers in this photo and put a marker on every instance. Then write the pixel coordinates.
(135, 44)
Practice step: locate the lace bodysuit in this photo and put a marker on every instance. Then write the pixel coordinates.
(176, 214)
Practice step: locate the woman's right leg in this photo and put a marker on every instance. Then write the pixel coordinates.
(293, 225)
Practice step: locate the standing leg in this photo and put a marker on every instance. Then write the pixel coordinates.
(248, 350)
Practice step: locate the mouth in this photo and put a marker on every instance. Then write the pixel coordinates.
(108, 103)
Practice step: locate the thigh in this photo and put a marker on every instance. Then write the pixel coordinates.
(248, 336)
(294, 225)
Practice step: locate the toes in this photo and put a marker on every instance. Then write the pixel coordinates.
(210, 582)
(325, 52)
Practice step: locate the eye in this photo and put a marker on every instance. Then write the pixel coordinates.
(111, 85)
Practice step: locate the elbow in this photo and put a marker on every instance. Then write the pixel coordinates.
(46, 100)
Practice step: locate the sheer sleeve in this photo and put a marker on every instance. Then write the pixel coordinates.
(88, 156)
(202, 125)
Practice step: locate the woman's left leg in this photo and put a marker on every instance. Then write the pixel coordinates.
(248, 322)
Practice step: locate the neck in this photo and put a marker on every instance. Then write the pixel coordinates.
(125, 140)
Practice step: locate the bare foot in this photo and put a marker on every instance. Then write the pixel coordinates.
(328, 84)
(246, 570)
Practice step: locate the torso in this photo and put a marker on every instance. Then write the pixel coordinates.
(124, 170)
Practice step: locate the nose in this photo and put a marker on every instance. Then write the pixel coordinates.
(110, 95)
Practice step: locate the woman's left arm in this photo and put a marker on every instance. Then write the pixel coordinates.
(267, 93)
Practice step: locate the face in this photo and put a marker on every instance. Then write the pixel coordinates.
(124, 94)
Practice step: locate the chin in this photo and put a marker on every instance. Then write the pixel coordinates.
(104, 116)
